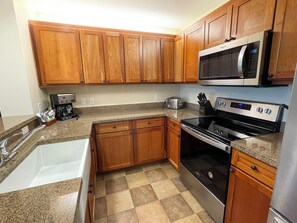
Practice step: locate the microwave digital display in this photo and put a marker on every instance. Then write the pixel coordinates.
(241, 106)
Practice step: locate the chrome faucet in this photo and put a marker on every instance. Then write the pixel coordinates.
(5, 155)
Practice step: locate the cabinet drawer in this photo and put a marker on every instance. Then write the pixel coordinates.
(150, 122)
(172, 124)
(255, 168)
(113, 127)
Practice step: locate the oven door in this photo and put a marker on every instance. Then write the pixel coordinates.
(207, 159)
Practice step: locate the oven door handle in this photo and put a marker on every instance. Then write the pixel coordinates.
(240, 61)
(206, 139)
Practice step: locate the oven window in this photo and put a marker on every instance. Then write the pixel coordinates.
(208, 164)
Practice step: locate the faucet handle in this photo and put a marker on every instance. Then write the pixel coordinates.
(3, 143)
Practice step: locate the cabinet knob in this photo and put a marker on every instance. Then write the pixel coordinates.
(178, 135)
(107, 81)
(232, 38)
(227, 40)
(253, 167)
(232, 170)
(270, 77)
(149, 123)
(114, 127)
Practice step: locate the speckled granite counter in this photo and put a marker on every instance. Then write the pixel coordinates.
(265, 148)
(15, 205)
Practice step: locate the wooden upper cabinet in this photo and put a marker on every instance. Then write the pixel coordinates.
(92, 56)
(218, 26)
(194, 42)
(133, 57)
(167, 56)
(252, 16)
(151, 59)
(179, 58)
(57, 54)
(284, 45)
(114, 57)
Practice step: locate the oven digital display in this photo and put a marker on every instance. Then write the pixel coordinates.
(241, 106)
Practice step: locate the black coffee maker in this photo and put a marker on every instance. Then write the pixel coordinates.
(62, 103)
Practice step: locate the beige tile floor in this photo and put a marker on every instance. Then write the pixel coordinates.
(148, 194)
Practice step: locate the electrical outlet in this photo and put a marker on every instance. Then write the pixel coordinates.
(83, 101)
(39, 107)
(156, 97)
(92, 101)
(25, 130)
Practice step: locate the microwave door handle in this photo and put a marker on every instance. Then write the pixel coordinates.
(206, 139)
(240, 61)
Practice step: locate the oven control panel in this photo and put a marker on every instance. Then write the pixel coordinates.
(260, 110)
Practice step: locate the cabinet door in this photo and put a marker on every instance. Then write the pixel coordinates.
(116, 150)
(194, 42)
(58, 55)
(114, 57)
(218, 26)
(167, 56)
(92, 55)
(179, 58)
(149, 144)
(248, 200)
(133, 56)
(284, 45)
(173, 147)
(151, 59)
(252, 16)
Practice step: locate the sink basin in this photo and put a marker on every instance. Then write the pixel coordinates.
(53, 163)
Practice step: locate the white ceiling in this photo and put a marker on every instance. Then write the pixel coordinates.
(170, 16)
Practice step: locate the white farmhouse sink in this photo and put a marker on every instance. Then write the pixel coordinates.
(53, 163)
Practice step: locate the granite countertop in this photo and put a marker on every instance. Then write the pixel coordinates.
(15, 205)
(265, 148)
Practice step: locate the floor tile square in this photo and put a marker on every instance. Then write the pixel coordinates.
(151, 166)
(116, 185)
(100, 189)
(114, 175)
(164, 188)
(100, 208)
(205, 218)
(151, 213)
(180, 186)
(170, 171)
(176, 207)
(143, 195)
(101, 220)
(155, 175)
(137, 179)
(134, 169)
(193, 203)
(118, 202)
(128, 216)
(190, 219)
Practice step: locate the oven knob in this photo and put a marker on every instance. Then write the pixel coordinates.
(217, 131)
(259, 109)
(268, 111)
(224, 104)
(219, 103)
(221, 132)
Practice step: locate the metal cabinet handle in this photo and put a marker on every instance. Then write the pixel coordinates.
(240, 61)
(253, 167)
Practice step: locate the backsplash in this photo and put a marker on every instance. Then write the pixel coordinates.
(117, 94)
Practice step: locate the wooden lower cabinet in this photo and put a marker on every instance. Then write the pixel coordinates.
(173, 147)
(248, 199)
(149, 144)
(115, 150)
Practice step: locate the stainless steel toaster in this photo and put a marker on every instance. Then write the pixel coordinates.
(173, 103)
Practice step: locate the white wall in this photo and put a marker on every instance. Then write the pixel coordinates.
(280, 95)
(14, 91)
(119, 94)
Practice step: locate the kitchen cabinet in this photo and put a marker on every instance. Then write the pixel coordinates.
(149, 144)
(167, 56)
(218, 26)
(284, 45)
(114, 57)
(179, 58)
(250, 189)
(252, 16)
(151, 59)
(92, 56)
(133, 58)
(173, 142)
(194, 42)
(57, 54)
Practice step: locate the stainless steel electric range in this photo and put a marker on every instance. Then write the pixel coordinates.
(206, 150)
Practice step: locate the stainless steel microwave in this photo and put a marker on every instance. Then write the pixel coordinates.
(241, 62)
